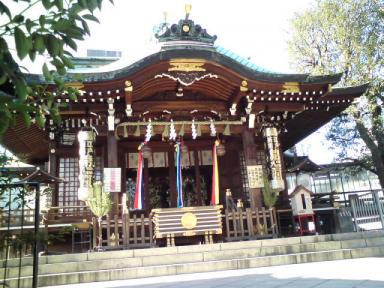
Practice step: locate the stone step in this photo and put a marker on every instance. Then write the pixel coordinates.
(80, 257)
(192, 267)
(185, 254)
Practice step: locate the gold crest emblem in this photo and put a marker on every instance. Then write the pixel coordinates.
(189, 220)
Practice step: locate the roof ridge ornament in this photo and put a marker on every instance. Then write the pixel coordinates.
(185, 32)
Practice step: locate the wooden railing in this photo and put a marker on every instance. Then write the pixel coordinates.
(130, 231)
(250, 224)
(68, 214)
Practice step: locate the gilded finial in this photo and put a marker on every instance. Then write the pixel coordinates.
(165, 15)
(188, 8)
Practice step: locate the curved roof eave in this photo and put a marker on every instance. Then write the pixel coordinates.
(352, 91)
(247, 71)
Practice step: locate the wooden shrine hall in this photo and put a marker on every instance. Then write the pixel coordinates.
(195, 110)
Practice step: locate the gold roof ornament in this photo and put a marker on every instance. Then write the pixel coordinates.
(186, 65)
(291, 87)
(188, 8)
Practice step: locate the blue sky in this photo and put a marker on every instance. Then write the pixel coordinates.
(256, 29)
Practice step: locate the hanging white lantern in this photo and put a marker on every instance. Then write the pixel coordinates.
(86, 150)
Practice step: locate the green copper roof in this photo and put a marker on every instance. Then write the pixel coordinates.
(241, 60)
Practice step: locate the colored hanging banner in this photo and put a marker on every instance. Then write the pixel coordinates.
(138, 204)
(179, 180)
(215, 176)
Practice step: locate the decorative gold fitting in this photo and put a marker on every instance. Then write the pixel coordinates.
(186, 65)
(75, 85)
(291, 87)
(244, 86)
(128, 86)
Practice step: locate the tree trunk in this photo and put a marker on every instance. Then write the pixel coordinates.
(100, 233)
(377, 155)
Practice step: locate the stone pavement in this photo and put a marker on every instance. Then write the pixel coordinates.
(359, 273)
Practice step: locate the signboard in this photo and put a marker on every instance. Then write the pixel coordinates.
(255, 176)
(112, 179)
(274, 160)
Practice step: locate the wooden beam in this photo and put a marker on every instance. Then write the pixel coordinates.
(158, 106)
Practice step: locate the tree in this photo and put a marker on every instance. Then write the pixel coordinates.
(270, 195)
(348, 36)
(100, 204)
(50, 34)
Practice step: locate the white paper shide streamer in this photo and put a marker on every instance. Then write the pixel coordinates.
(148, 133)
(212, 128)
(193, 128)
(172, 132)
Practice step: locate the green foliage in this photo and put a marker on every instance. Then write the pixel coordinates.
(348, 36)
(59, 26)
(100, 204)
(99, 201)
(270, 195)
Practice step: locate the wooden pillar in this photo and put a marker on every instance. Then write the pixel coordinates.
(53, 170)
(122, 165)
(197, 177)
(172, 178)
(284, 194)
(249, 147)
(112, 162)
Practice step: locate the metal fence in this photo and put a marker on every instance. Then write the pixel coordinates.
(16, 238)
(367, 210)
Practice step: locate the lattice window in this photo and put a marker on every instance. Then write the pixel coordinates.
(69, 170)
(244, 176)
(98, 169)
(260, 160)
